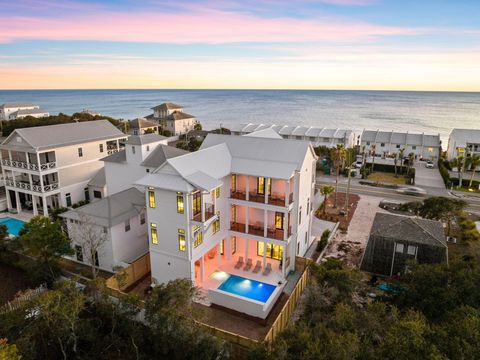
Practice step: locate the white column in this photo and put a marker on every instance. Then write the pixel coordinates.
(202, 268)
(247, 188)
(246, 250)
(228, 248)
(17, 200)
(203, 207)
(265, 220)
(9, 202)
(284, 256)
(287, 193)
(45, 207)
(246, 219)
(265, 188)
(285, 226)
(34, 204)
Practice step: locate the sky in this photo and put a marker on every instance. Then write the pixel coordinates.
(430, 45)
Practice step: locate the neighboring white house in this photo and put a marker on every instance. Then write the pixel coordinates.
(12, 111)
(141, 125)
(318, 136)
(423, 146)
(463, 142)
(142, 154)
(50, 166)
(114, 227)
(236, 201)
(172, 118)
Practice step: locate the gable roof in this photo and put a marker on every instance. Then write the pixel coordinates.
(53, 136)
(265, 133)
(178, 115)
(142, 123)
(415, 230)
(110, 211)
(98, 179)
(118, 157)
(144, 139)
(161, 154)
(30, 111)
(167, 106)
(17, 105)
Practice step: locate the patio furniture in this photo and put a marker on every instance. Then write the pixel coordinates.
(258, 267)
(268, 269)
(248, 265)
(239, 263)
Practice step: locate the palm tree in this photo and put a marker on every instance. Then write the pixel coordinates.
(473, 162)
(411, 157)
(395, 160)
(338, 157)
(401, 154)
(459, 163)
(372, 152)
(325, 190)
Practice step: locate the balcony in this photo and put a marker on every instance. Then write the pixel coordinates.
(29, 166)
(258, 230)
(238, 227)
(253, 196)
(277, 200)
(22, 185)
(238, 194)
(209, 213)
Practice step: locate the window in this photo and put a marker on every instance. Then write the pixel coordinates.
(153, 232)
(306, 237)
(180, 207)
(100, 147)
(151, 197)
(272, 251)
(233, 185)
(298, 248)
(182, 245)
(233, 244)
(414, 147)
(382, 145)
(133, 149)
(222, 246)
(105, 230)
(97, 194)
(79, 253)
(148, 147)
(95, 257)
(398, 146)
(197, 203)
(80, 152)
(399, 248)
(147, 170)
(127, 225)
(68, 199)
(142, 218)
(217, 192)
(260, 185)
(87, 194)
(279, 220)
(216, 226)
(233, 213)
(198, 236)
(300, 216)
(412, 250)
(308, 206)
(368, 143)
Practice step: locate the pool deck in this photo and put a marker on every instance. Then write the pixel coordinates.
(24, 216)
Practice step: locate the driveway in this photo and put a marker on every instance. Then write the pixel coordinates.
(429, 178)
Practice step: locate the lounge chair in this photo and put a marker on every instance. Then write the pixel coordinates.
(258, 267)
(248, 265)
(268, 269)
(239, 263)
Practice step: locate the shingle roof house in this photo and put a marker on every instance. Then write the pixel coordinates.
(394, 239)
(172, 118)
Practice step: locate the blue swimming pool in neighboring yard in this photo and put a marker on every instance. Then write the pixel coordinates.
(248, 288)
(13, 225)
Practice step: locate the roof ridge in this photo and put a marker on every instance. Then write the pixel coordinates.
(425, 230)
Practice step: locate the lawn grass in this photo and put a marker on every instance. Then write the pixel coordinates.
(386, 178)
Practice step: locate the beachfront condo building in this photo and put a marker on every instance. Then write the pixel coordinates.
(238, 210)
(172, 118)
(463, 142)
(47, 167)
(12, 111)
(318, 136)
(387, 143)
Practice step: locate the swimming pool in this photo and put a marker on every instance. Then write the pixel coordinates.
(248, 288)
(13, 225)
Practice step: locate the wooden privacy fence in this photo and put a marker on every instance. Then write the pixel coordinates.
(129, 275)
(286, 313)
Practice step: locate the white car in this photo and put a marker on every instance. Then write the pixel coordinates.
(429, 164)
(412, 190)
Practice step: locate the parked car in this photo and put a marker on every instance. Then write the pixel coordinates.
(412, 190)
(429, 164)
(388, 204)
(357, 165)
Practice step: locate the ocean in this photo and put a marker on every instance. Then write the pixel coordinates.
(430, 112)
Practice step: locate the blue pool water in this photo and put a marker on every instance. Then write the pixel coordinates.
(251, 289)
(13, 225)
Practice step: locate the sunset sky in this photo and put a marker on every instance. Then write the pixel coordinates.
(267, 44)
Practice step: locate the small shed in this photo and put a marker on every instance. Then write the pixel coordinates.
(394, 239)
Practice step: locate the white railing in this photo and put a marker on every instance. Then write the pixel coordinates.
(32, 187)
(112, 151)
(27, 166)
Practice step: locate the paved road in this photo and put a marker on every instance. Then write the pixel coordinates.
(473, 205)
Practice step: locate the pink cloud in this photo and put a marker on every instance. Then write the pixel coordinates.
(210, 26)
